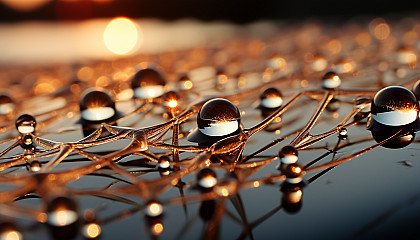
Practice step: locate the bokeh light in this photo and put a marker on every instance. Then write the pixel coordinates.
(121, 36)
(25, 5)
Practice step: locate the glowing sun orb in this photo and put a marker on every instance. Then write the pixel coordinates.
(25, 5)
(121, 36)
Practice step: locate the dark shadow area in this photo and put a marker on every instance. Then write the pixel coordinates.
(207, 10)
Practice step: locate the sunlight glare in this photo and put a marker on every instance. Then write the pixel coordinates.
(121, 36)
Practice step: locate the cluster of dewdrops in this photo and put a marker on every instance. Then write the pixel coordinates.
(175, 86)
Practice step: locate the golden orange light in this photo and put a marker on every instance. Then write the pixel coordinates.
(188, 84)
(172, 103)
(93, 230)
(25, 5)
(157, 229)
(12, 235)
(297, 170)
(121, 36)
(382, 31)
(155, 209)
(224, 192)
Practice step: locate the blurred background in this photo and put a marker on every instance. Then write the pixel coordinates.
(66, 31)
(238, 11)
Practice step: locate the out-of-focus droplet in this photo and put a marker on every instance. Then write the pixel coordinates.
(148, 83)
(7, 106)
(206, 178)
(271, 98)
(331, 80)
(277, 63)
(407, 57)
(221, 80)
(318, 63)
(62, 211)
(185, 83)
(164, 162)
(34, 166)
(344, 66)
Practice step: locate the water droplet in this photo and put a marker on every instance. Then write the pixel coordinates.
(206, 178)
(292, 198)
(27, 143)
(271, 98)
(331, 80)
(62, 211)
(164, 162)
(7, 106)
(34, 166)
(395, 106)
(343, 134)
(288, 155)
(293, 173)
(148, 83)
(217, 118)
(25, 123)
(382, 132)
(96, 105)
(185, 83)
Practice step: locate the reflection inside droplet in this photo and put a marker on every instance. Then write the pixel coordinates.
(394, 106)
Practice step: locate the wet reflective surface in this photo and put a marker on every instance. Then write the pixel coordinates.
(318, 165)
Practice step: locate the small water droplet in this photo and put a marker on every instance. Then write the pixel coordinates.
(331, 80)
(206, 178)
(25, 123)
(148, 83)
(216, 119)
(97, 105)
